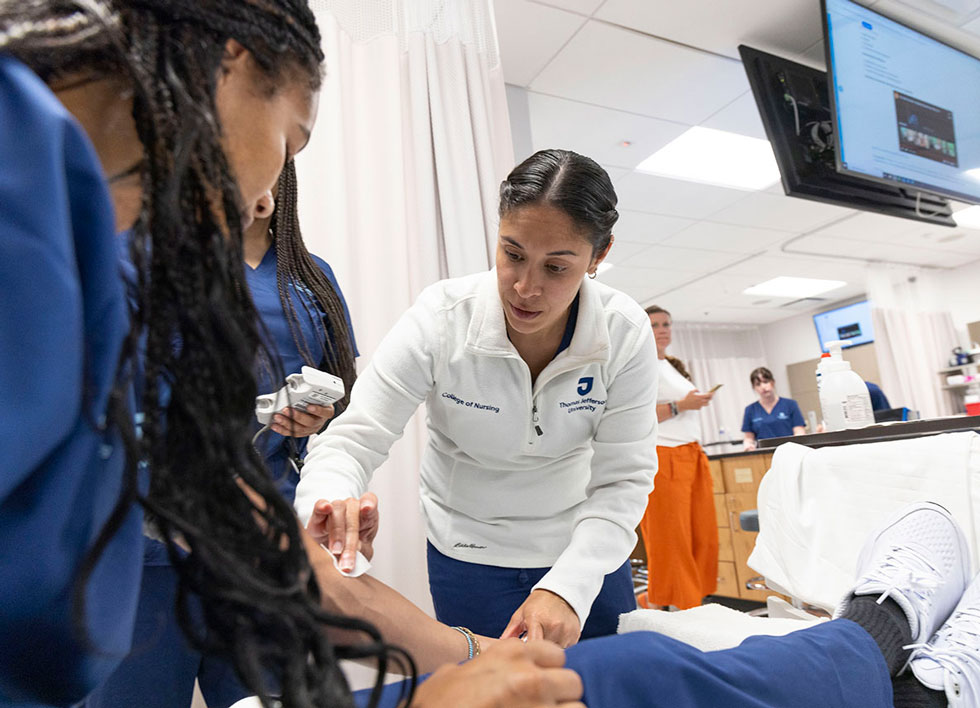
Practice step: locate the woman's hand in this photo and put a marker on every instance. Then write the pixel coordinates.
(545, 615)
(296, 423)
(511, 673)
(694, 400)
(346, 526)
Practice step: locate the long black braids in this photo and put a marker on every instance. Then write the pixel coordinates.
(297, 271)
(193, 340)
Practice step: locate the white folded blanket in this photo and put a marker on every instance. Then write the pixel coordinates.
(708, 627)
(817, 507)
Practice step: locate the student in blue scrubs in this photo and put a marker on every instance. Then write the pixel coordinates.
(171, 119)
(287, 285)
(770, 416)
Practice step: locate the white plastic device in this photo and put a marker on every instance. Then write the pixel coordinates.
(309, 387)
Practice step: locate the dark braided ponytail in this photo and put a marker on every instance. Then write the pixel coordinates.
(193, 341)
(298, 272)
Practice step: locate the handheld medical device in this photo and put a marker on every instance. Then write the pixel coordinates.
(309, 387)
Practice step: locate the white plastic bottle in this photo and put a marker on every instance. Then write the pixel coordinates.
(844, 396)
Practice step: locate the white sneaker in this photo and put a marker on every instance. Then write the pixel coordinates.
(951, 660)
(920, 559)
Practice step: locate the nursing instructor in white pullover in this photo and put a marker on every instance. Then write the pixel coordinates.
(540, 387)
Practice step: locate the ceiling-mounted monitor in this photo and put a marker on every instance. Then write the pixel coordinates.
(906, 107)
(794, 104)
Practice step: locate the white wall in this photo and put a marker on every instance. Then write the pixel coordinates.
(787, 342)
(962, 293)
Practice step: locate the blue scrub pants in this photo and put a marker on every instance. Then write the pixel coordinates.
(160, 670)
(483, 597)
(831, 665)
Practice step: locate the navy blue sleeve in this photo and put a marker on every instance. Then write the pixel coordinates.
(62, 322)
(796, 415)
(747, 420)
(328, 271)
(879, 402)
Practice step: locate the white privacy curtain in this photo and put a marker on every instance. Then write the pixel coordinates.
(914, 335)
(720, 354)
(398, 189)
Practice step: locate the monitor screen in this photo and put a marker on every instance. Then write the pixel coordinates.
(850, 324)
(906, 107)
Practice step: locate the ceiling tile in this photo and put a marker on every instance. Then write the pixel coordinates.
(725, 237)
(671, 197)
(646, 228)
(642, 283)
(626, 252)
(582, 7)
(771, 265)
(597, 132)
(721, 25)
(769, 211)
(615, 173)
(740, 116)
(614, 67)
(529, 35)
(684, 260)
(865, 225)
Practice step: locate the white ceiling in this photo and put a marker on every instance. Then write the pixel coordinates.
(618, 79)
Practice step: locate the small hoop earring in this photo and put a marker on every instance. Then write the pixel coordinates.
(592, 275)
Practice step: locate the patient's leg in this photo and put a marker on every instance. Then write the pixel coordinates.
(836, 664)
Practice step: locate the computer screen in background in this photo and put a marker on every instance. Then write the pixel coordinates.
(906, 107)
(851, 323)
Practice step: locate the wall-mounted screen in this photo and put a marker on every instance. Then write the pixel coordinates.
(851, 324)
(906, 107)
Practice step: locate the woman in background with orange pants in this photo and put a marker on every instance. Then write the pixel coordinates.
(679, 528)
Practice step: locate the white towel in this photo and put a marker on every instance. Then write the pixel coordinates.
(708, 627)
(817, 507)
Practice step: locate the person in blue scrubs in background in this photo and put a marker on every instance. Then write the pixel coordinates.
(287, 285)
(770, 416)
(297, 298)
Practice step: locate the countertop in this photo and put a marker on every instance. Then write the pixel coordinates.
(898, 430)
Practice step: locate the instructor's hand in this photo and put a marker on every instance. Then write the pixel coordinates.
(511, 674)
(545, 615)
(346, 526)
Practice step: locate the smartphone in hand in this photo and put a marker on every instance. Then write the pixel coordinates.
(715, 388)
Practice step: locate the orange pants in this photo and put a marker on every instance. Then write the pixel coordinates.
(680, 531)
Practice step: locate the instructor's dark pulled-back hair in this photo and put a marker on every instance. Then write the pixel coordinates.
(568, 181)
(192, 347)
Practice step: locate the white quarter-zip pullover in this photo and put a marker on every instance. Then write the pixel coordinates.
(513, 475)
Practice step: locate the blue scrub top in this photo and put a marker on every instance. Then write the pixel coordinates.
(778, 424)
(879, 402)
(63, 318)
(264, 286)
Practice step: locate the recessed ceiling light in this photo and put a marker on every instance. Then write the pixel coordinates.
(969, 218)
(715, 157)
(785, 286)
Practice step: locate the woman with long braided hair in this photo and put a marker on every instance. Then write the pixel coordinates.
(183, 112)
(304, 318)
(304, 321)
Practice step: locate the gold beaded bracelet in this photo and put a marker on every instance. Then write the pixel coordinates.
(472, 642)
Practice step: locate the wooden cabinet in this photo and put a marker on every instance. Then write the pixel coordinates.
(736, 486)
